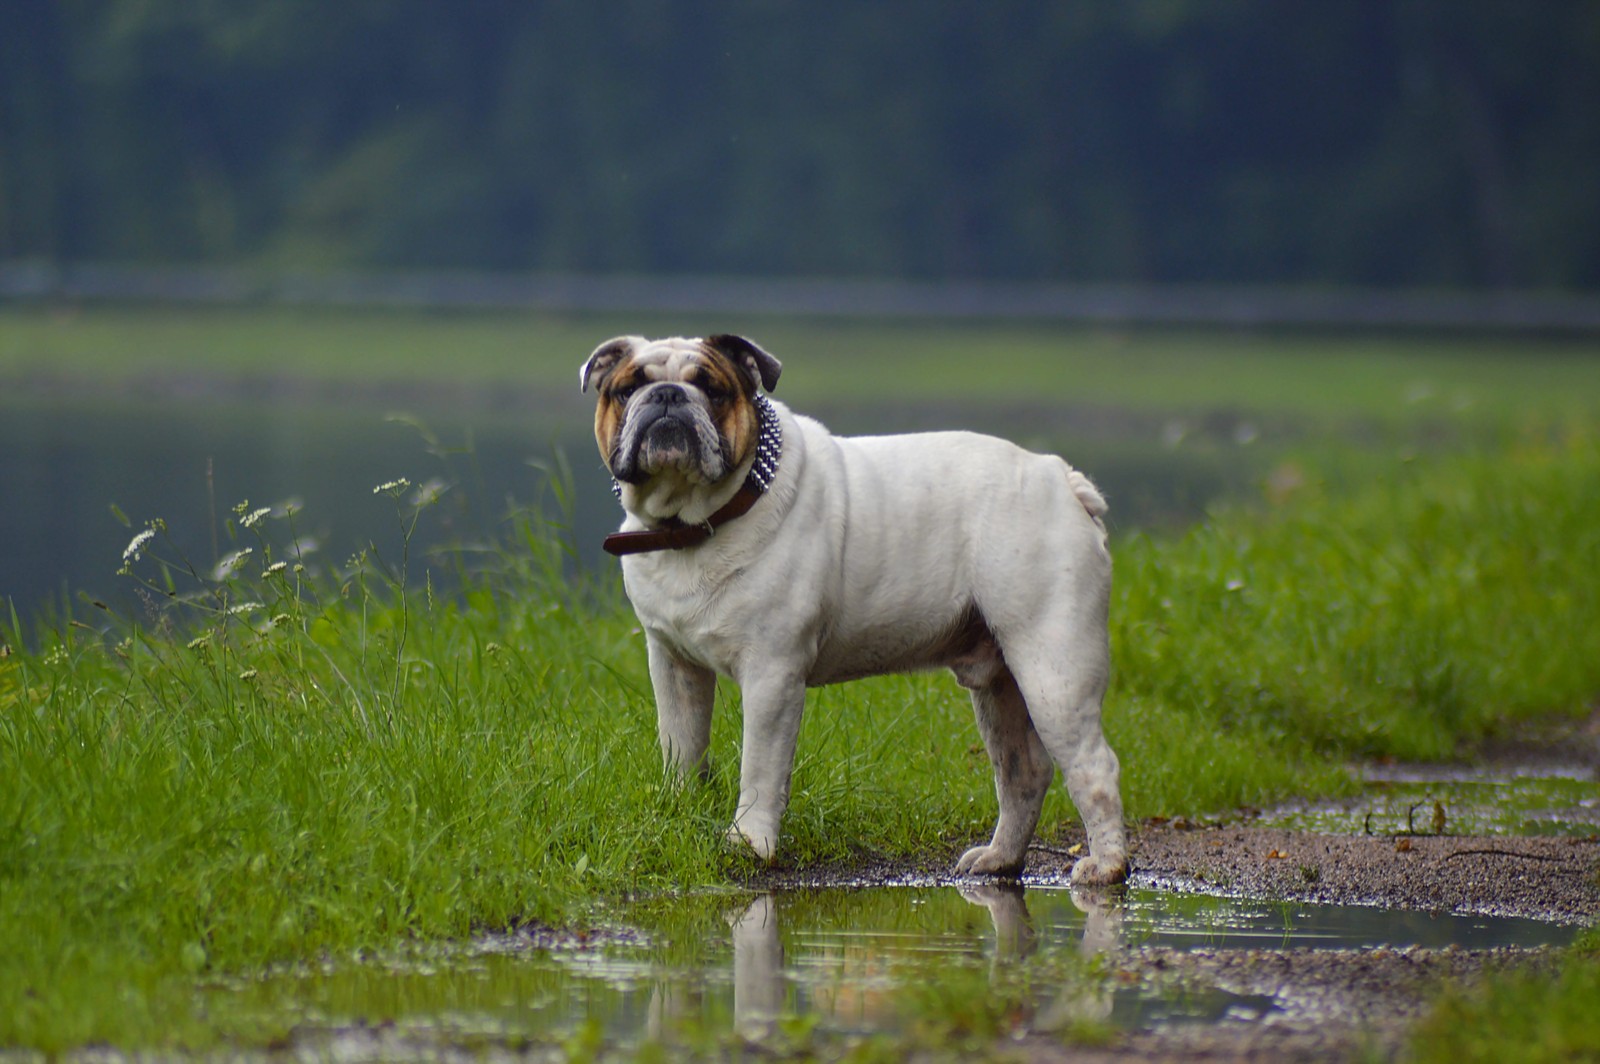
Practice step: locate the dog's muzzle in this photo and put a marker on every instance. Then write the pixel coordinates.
(665, 428)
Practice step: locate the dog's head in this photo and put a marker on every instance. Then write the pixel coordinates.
(677, 411)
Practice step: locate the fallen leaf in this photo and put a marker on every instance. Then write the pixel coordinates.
(1402, 846)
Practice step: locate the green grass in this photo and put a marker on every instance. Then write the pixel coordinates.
(1518, 1015)
(1394, 619)
(1332, 377)
(285, 764)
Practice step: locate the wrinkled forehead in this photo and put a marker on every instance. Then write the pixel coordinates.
(671, 359)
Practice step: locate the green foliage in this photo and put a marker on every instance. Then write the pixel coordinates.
(1411, 142)
(1409, 618)
(1518, 1015)
(278, 763)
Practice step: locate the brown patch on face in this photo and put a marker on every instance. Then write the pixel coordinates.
(608, 412)
(729, 390)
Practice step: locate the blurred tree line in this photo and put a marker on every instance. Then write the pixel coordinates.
(1373, 142)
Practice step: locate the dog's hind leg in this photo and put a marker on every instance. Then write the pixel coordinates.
(1022, 770)
(1064, 700)
(685, 694)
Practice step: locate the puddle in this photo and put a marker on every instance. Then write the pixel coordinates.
(1430, 799)
(984, 960)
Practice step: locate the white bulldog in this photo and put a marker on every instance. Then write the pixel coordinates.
(760, 546)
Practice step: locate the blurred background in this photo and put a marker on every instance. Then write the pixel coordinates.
(228, 230)
(1421, 143)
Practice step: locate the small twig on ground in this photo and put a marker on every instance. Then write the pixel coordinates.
(1501, 853)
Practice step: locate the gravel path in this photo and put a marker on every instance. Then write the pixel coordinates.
(1545, 878)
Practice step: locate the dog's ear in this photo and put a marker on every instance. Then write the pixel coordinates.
(760, 367)
(604, 360)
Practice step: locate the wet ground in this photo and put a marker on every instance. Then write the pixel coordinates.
(1514, 834)
(1247, 939)
(1309, 932)
(924, 966)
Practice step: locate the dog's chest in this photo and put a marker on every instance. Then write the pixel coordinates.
(689, 608)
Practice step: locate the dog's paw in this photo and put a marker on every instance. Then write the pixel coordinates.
(988, 861)
(762, 845)
(1097, 871)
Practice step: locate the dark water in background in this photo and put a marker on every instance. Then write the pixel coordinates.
(65, 463)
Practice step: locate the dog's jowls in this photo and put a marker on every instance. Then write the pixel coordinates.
(863, 555)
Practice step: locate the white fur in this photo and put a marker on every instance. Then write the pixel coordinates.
(863, 558)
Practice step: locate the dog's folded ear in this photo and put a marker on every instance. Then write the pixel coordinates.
(760, 367)
(604, 360)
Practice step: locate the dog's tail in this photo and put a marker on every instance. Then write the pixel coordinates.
(1089, 496)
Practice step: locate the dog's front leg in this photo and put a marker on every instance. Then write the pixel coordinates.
(685, 693)
(773, 703)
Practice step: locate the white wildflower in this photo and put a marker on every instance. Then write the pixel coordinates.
(250, 519)
(136, 545)
(392, 487)
(230, 563)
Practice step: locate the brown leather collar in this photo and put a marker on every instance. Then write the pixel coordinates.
(679, 536)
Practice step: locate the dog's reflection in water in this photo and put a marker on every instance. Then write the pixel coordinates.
(863, 991)
(757, 965)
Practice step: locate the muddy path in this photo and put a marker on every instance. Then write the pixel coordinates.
(1391, 854)
(1339, 1003)
(1545, 878)
(1324, 1003)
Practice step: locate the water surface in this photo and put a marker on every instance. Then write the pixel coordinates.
(844, 962)
(67, 461)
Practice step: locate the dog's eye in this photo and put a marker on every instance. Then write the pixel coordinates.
(713, 391)
(622, 392)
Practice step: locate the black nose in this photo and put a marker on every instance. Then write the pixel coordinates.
(668, 395)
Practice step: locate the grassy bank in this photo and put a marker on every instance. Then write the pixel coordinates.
(273, 763)
(1374, 377)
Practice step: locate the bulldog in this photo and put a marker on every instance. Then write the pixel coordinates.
(758, 545)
